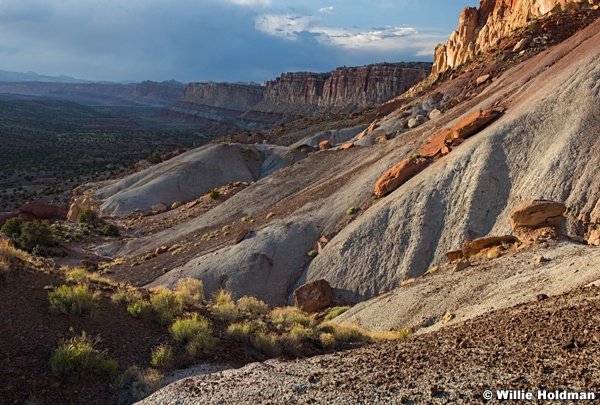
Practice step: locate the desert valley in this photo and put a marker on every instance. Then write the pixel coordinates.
(396, 233)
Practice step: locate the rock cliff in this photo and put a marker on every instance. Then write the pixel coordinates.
(355, 87)
(479, 30)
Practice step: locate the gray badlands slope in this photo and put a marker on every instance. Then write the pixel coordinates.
(545, 146)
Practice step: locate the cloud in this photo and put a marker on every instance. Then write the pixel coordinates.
(327, 10)
(251, 3)
(286, 25)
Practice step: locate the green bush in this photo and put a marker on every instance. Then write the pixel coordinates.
(77, 300)
(352, 210)
(243, 332)
(154, 159)
(34, 234)
(161, 357)
(214, 194)
(140, 309)
(190, 291)
(288, 316)
(166, 305)
(224, 307)
(266, 344)
(88, 216)
(195, 332)
(12, 228)
(253, 306)
(136, 384)
(335, 311)
(76, 359)
(111, 230)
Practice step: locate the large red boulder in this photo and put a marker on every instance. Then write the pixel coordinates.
(399, 174)
(537, 218)
(436, 143)
(473, 123)
(313, 296)
(39, 211)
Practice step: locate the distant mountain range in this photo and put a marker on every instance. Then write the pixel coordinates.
(8, 76)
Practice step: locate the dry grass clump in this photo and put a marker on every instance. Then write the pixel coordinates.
(161, 357)
(190, 291)
(223, 307)
(335, 311)
(77, 358)
(76, 300)
(9, 256)
(243, 331)
(288, 316)
(127, 295)
(266, 343)
(252, 306)
(194, 332)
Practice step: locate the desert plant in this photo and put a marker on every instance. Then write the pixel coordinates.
(127, 295)
(327, 340)
(166, 305)
(77, 275)
(140, 309)
(243, 332)
(214, 194)
(253, 306)
(9, 255)
(224, 308)
(312, 253)
(190, 291)
(111, 230)
(154, 159)
(161, 357)
(301, 333)
(335, 311)
(89, 217)
(288, 316)
(136, 384)
(77, 358)
(194, 332)
(352, 210)
(76, 300)
(12, 228)
(266, 344)
(35, 234)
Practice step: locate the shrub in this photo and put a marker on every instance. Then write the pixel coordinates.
(266, 344)
(166, 305)
(12, 228)
(76, 359)
(35, 234)
(288, 316)
(161, 357)
(136, 384)
(243, 332)
(128, 295)
(224, 308)
(253, 306)
(327, 340)
(154, 159)
(9, 256)
(214, 194)
(195, 332)
(301, 333)
(88, 216)
(350, 333)
(352, 210)
(312, 253)
(335, 311)
(190, 291)
(140, 309)
(77, 275)
(111, 230)
(77, 300)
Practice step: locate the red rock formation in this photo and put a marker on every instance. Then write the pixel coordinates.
(537, 218)
(33, 211)
(472, 124)
(436, 144)
(398, 175)
(480, 30)
(313, 296)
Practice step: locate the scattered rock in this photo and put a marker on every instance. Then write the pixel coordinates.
(482, 79)
(324, 145)
(454, 255)
(313, 296)
(158, 208)
(539, 259)
(347, 146)
(473, 123)
(416, 121)
(537, 219)
(435, 113)
(192, 204)
(176, 205)
(241, 236)
(382, 138)
(407, 282)
(461, 265)
(399, 174)
(519, 46)
(473, 247)
(541, 297)
(436, 143)
(161, 249)
(448, 317)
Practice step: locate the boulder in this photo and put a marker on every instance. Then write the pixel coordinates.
(482, 79)
(537, 218)
(473, 247)
(399, 174)
(435, 113)
(437, 141)
(454, 255)
(473, 123)
(33, 211)
(519, 46)
(347, 146)
(80, 203)
(416, 121)
(313, 296)
(176, 205)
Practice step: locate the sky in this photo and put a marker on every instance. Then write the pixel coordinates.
(217, 40)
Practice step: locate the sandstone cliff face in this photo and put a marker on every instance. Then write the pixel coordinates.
(480, 29)
(357, 87)
(240, 97)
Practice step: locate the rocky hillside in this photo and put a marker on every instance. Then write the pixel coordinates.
(480, 30)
